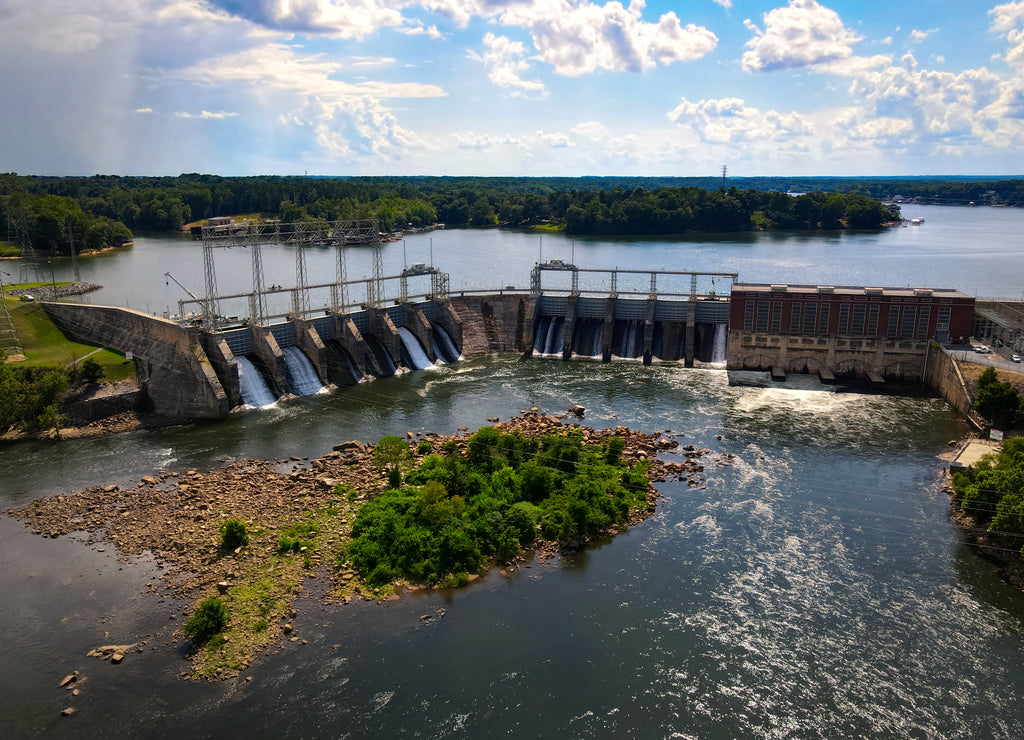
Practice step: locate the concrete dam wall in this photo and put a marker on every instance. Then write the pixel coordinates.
(173, 370)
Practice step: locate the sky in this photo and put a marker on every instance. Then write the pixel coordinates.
(512, 87)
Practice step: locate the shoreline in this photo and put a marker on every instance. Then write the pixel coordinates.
(175, 518)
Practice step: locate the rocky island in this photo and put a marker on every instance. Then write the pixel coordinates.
(298, 518)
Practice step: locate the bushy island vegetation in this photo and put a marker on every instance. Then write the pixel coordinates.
(49, 214)
(453, 513)
(434, 511)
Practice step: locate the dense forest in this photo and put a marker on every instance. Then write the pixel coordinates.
(50, 214)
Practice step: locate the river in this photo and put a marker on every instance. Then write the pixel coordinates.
(813, 588)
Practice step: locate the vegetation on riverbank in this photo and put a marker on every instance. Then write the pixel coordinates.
(39, 389)
(989, 497)
(625, 205)
(305, 523)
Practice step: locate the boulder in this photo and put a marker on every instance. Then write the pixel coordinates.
(352, 444)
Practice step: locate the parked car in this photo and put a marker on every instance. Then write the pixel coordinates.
(1014, 358)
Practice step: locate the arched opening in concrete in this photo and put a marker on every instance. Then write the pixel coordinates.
(807, 365)
(902, 371)
(851, 369)
(757, 362)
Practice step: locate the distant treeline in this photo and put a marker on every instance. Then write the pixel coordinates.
(50, 212)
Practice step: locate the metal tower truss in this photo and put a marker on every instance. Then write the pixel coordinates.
(302, 234)
(209, 304)
(300, 296)
(439, 285)
(258, 304)
(375, 288)
(438, 281)
(339, 291)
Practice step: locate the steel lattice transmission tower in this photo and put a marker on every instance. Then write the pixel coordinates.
(300, 296)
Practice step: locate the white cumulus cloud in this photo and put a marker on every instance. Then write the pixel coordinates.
(730, 120)
(802, 34)
(505, 64)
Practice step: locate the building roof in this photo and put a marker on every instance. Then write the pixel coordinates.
(851, 290)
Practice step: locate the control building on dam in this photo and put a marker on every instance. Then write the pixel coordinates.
(875, 333)
(196, 368)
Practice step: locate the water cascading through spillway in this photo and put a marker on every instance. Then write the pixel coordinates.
(412, 345)
(718, 348)
(444, 347)
(301, 375)
(540, 333)
(254, 389)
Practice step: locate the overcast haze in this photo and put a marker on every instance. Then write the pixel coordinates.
(512, 87)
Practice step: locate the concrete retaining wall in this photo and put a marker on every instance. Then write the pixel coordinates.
(172, 367)
(944, 377)
(494, 323)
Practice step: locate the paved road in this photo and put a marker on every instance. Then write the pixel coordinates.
(978, 358)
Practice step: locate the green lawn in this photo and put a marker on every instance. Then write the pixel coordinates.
(46, 346)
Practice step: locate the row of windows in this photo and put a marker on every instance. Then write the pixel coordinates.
(858, 320)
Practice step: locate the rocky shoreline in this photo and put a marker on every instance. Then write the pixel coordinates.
(50, 292)
(176, 517)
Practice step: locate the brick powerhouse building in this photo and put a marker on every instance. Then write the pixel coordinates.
(842, 329)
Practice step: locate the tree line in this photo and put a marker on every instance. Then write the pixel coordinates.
(51, 213)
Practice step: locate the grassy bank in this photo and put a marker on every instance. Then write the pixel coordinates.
(45, 346)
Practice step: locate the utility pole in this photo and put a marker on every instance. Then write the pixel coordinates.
(724, 169)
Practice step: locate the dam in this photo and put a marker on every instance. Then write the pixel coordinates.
(208, 361)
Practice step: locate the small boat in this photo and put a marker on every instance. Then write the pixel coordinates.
(916, 221)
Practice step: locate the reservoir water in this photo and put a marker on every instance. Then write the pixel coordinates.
(815, 587)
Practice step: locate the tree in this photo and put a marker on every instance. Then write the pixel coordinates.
(391, 454)
(92, 371)
(997, 401)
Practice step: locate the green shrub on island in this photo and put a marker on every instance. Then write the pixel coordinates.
(209, 618)
(233, 534)
(456, 512)
(297, 537)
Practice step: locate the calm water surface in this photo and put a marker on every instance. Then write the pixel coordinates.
(814, 588)
(976, 250)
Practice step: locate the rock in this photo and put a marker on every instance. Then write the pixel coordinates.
(69, 678)
(148, 480)
(109, 489)
(578, 410)
(67, 712)
(350, 445)
(223, 586)
(493, 418)
(116, 658)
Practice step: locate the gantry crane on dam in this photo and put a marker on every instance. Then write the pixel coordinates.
(336, 234)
